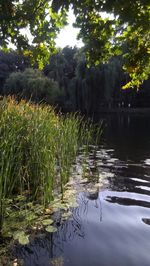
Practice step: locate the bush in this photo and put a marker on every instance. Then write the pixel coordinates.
(33, 85)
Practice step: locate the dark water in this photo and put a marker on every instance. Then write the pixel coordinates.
(112, 225)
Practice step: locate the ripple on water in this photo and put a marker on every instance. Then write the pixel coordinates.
(111, 224)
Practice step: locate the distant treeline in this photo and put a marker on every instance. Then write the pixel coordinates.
(68, 83)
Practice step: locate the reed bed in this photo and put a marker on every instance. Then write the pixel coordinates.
(37, 149)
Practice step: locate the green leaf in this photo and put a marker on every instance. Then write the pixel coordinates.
(22, 238)
(51, 229)
(47, 221)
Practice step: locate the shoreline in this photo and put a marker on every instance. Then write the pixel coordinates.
(124, 110)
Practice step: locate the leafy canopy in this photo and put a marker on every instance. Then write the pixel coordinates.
(125, 31)
(31, 26)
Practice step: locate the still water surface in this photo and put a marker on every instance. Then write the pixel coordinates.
(111, 226)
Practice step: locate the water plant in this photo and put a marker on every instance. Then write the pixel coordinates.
(37, 150)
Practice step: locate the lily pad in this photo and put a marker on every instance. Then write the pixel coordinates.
(73, 204)
(51, 229)
(66, 215)
(60, 205)
(22, 238)
(47, 221)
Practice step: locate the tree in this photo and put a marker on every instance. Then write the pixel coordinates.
(61, 68)
(125, 33)
(32, 85)
(31, 26)
(10, 62)
(127, 26)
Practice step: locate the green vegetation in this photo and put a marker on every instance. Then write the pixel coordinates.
(37, 150)
(124, 31)
(67, 82)
(38, 146)
(32, 85)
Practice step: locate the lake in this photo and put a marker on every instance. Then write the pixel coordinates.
(111, 225)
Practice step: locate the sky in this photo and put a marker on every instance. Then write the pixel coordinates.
(68, 35)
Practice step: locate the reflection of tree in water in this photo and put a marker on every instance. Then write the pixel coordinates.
(129, 138)
(128, 201)
(87, 198)
(131, 184)
(128, 184)
(131, 178)
(146, 221)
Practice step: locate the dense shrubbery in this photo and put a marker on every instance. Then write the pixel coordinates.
(32, 85)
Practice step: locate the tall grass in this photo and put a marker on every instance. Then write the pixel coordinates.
(36, 148)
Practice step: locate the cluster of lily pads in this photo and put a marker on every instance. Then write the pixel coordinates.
(32, 218)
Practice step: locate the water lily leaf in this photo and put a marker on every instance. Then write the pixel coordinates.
(73, 204)
(47, 221)
(69, 193)
(66, 215)
(60, 205)
(51, 229)
(17, 234)
(22, 238)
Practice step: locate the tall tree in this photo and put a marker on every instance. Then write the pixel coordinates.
(31, 26)
(127, 24)
(11, 62)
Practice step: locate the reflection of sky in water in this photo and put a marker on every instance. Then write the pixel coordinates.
(111, 224)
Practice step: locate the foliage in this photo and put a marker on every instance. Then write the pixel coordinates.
(37, 147)
(62, 68)
(78, 88)
(11, 62)
(85, 89)
(126, 23)
(31, 26)
(32, 85)
(37, 150)
(89, 89)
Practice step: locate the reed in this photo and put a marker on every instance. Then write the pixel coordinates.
(37, 149)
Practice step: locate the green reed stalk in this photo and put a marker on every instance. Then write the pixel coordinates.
(34, 141)
(37, 148)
